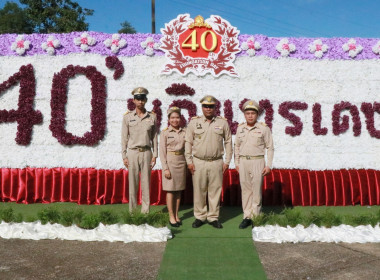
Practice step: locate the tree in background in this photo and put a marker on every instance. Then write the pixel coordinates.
(56, 16)
(13, 19)
(126, 27)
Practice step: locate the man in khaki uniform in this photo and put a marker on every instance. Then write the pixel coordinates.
(206, 138)
(138, 137)
(252, 139)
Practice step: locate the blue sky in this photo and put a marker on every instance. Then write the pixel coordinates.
(275, 18)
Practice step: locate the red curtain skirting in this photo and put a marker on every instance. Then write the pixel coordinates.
(282, 187)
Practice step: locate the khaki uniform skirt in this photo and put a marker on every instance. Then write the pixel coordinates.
(177, 167)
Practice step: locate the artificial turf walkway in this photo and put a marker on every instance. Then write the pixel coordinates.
(210, 253)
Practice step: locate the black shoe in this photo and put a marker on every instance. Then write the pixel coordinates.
(197, 223)
(180, 222)
(216, 224)
(245, 223)
(174, 225)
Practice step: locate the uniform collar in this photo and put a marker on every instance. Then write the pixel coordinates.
(205, 119)
(146, 113)
(170, 128)
(251, 127)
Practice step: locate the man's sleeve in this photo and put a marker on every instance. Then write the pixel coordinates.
(227, 143)
(155, 138)
(237, 149)
(189, 137)
(124, 137)
(270, 147)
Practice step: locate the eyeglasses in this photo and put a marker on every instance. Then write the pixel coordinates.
(208, 106)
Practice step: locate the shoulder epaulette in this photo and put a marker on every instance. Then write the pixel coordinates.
(151, 112)
(196, 117)
(241, 124)
(126, 113)
(165, 129)
(263, 123)
(220, 117)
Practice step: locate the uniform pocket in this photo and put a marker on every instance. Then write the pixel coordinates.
(198, 133)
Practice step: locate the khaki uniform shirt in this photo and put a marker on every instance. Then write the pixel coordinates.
(252, 141)
(139, 132)
(204, 139)
(171, 141)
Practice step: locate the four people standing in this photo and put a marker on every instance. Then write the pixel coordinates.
(202, 147)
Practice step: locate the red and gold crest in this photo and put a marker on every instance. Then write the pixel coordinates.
(200, 46)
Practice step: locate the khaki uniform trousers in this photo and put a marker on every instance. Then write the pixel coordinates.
(139, 162)
(207, 178)
(251, 180)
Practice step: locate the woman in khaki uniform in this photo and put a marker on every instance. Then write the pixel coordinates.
(172, 150)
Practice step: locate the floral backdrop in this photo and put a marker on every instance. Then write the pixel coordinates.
(62, 97)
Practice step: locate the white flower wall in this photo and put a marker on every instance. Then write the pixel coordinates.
(278, 80)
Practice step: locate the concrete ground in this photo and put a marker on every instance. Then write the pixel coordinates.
(320, 260)
(56, 259)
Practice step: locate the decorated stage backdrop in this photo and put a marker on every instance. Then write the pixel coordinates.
(63, 96)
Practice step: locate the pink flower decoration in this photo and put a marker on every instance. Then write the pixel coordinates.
(251, 46)
(20, 46)
(116, 43)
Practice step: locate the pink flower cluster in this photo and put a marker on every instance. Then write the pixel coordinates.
(25, 116)
(112, 62)
(339, 128)
(98, 105)
(180, 89)
(283, 110)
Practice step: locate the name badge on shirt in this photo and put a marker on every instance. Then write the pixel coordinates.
(218, 127)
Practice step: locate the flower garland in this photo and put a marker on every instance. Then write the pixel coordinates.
(370, 49)
(283, 110)
(112, 62)
(189, 106)
(229, 115)
(25, 115)
(369, 112)
(340, 128)
(317, 120)
(180, 89)
(98, 104)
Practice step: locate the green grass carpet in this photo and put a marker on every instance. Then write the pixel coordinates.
(209, 253)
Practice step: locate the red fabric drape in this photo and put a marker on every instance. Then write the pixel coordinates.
(281, 187)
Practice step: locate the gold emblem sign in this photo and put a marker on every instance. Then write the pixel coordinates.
(199, 22)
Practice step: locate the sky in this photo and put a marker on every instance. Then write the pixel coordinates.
(273, 18)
